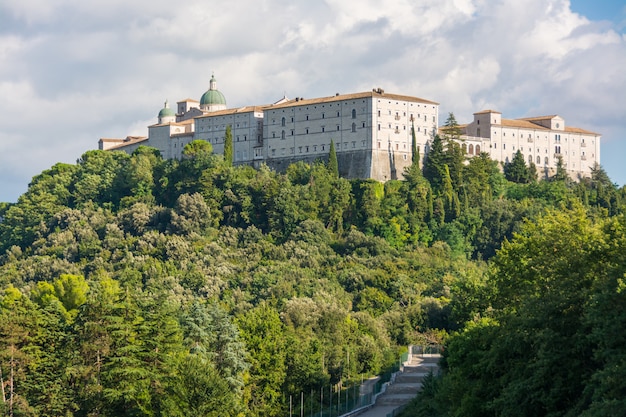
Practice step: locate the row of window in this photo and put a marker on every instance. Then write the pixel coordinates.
(300, 108)
(557, 149)
(557, 137)
(283, 121)
(283, 134)
(223, 125)
(314, 148)
(471, 150)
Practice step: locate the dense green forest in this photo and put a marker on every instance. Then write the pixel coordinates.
(136, 286)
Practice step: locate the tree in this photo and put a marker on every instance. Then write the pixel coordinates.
(228, 146)
(434, 170)
(196, 389)
(126, 380)
(262, 331)
(70, 291)
(210, 333)
(190, 215)
(516, 170)
(480, 179)
(451, 129)
(48, 194)
(16, 350)
(561, 172)
(415, 151)
(198, 149)
(333, 167)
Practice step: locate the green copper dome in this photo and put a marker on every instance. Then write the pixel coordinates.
(213, 96)
(166, 111)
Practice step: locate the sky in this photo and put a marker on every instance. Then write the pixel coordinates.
(72, 72)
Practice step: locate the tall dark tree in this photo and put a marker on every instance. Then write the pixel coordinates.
(451, 129)
(415, 151)
(333, 166)
(454, 155)
(561, 172)
(516, 170)
(434, 165)
(228, 146)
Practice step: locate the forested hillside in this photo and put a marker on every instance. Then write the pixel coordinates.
(132, 285)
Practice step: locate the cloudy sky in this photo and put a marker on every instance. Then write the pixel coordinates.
(73, 71)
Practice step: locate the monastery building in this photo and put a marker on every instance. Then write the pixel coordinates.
(371, 131)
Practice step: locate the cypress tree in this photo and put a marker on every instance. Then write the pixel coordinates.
(333, 166)
(415, 157)
(228, 146)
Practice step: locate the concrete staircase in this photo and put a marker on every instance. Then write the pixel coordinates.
(408, 382)
(404, 387)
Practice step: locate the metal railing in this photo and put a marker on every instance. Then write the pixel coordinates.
(352, 400)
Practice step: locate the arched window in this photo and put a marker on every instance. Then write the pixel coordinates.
(538, 160)
(471, 149)
(353, 127)
(546, 161)
(530, 159)
(354, 113)
(282, 122)
(477, 149)
(282, 135)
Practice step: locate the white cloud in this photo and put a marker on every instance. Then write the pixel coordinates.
(74, 71)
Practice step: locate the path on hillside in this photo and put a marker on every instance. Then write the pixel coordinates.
(405, 386)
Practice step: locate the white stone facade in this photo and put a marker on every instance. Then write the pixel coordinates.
(371, 132)
(542, 140)
(371, 129)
